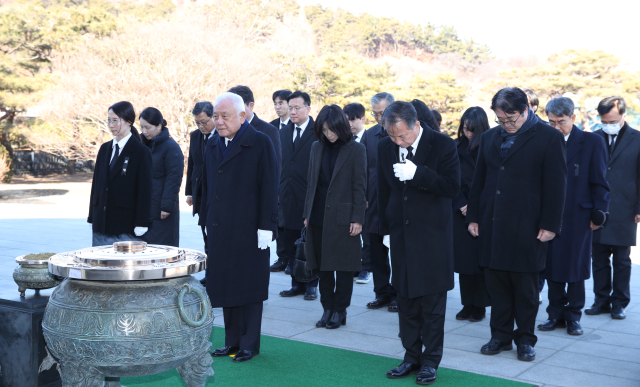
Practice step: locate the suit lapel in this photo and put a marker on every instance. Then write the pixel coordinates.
(245, 141)
(393, 150)
(520, 141)
(344, 153)
(306, 136)
(621, 144)
(497, 139)
(124, 153)
(287, 132)
(424, 147)
(574, 145)
(212, 144)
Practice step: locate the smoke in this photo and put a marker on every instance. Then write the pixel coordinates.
(103, 240)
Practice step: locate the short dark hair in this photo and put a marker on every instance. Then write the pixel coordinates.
(438, 117)
(203, 106)
(533, 97)
(300, 94)
(608, 103)
(354, 111)
(336, 121)
(477, 123)
(510, 100)
(282, 94)
(425, 115)
(154, 117)
(244, 92)
(124, 110)
(400, 111)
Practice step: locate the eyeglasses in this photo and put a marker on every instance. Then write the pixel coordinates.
(555, 124)
(276, 104)
(296, 108)
(377, 114)
(113, 122)
(508, 123)
(199, 124)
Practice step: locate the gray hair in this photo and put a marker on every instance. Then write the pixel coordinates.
(382, 96)
(561, 106)
(400, 111)
(236, 100)
(204, 106)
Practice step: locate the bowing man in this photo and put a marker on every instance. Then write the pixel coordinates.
(240, 210)
(418, 175)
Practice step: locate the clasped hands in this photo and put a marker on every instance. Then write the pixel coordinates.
(405, 171)
(543, 235)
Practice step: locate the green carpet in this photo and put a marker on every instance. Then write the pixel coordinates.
(288, 363)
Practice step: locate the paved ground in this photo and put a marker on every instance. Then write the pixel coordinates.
(49, 215)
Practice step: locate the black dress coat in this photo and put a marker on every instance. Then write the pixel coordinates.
(417, 215)
(466, 257)
(345, 204)
(194, 169)
(276, 123)
(239, 197)
(512, 199)
(293, 176)
(623, 175)
(168, 169)
(120, 200)
(569, 254)
(272, 132)
(370, 139)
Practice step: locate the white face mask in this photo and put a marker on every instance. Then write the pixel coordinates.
(611, 129)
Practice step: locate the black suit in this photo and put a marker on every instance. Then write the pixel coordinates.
(293, 190)
(194, 175)
(417, 216)
(272, 132)
(276, 123)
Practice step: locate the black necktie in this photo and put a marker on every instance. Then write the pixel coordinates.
(204, 143)
(295, 140)
(115, 157)
(613, 143)
(281, 125)
(410, 152)
(384, 133)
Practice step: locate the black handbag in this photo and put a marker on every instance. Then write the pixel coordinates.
(300, 271)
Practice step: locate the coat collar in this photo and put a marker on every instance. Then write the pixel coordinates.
(125, 153)
(307, 136)
(520, 140)
(622, 142)
(575, 142)
(246, 140)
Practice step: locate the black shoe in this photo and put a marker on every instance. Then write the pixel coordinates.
(551, 324)
(378, 303)
(337, 319)
(324, 319)
(224, 351)
(203, 281)
(598, 308)
(526, 353)
(245, 355)
(465, 313)
(393, 306)
(278, 265)
(617, 312)
(495, 346)
(478, 314)
(287, 270)
(403, 370)
(311, 294)
(427, 375)
(292, 291)
(574, 328)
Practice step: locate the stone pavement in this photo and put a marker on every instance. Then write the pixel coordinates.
(51, 217)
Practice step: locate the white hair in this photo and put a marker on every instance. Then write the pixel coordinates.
(237, 101)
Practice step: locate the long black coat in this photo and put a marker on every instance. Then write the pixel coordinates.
(239, 197)
(120, 201)
(512, 199)
(569, 254)
(168, 168)
(293, 176)
(623, 175)
(370, 139)
(417, 215)
(345, 204)
(194, 169)
(466, 257)
(272, 132)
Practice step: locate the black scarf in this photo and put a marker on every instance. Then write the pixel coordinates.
(509, 138)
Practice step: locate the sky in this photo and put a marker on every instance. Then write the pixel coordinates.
(515, 28)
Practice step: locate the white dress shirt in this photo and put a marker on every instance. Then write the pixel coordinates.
(121, 145)
(566, 138)
(302, 128)
(404, 152)
(358, 137)
(283, 123)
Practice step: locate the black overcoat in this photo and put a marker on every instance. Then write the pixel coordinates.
(512, 199)
(239, 197)
(120, 200)
(193, 185)
(623, 175)
(272, 132)
(293, 176)
(569, 254)
(370, 139)
(466, 257)
(417, 215)
(345, 204)
(168, 169)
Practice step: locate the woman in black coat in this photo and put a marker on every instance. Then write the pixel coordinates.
(168, 168)
(466, 260)
(425, 115)
(334, 212)
(119, 206)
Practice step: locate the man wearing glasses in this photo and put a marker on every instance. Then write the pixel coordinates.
(202, 113)
(282, 108)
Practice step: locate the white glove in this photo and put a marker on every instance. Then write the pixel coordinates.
(405, 171)
(140, 231)
(386, 240)
(264, 239)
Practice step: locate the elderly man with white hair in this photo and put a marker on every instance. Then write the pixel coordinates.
(240, 210)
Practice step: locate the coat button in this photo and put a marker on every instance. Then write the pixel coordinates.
(498, 192)
(405, 198)
(292, 162)
(106, 189)
(608, 168)
(329, 192)
(289, 178)
(219, 170)
(215, 225)
(406, 222)
(217, 197)
(105, 208)
(502, 168)
(327, 207)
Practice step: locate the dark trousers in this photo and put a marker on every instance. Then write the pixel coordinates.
(204, 236)
(422, 324)
(565, 304)
(514, 296)
(541, 281)
(286, 250)
(616, 292)
(473, 291)
(242, 326)
(380, 267)
(366, 252)
(335, 287)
